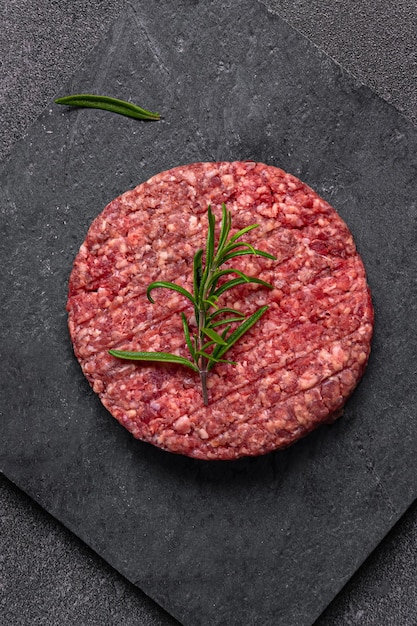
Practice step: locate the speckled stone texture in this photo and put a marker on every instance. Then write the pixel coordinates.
(102, 485)
(41, 45)
(375, 41)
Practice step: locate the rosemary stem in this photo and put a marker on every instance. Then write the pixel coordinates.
(203, 378)
(202, 360)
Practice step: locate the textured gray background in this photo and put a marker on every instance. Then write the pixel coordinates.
(47, 576)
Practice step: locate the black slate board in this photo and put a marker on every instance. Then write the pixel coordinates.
(268, 540)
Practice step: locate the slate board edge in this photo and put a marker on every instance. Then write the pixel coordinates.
(128, 7)
(78, 537)
(160, 601)
(354, 76)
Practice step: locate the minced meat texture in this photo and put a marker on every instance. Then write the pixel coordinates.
(294, 369)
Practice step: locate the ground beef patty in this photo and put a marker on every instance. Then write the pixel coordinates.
(294, 369)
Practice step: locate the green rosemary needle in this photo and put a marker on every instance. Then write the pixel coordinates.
(209, 342)
(108, 104)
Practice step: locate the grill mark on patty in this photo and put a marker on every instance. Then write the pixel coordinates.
(167, 311)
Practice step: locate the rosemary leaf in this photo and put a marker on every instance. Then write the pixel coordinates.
(226, 331)
(234, 282)
(209, 356)
(215, 278)
(227, 310)
(187, 335)
(160, 357)
(242, 232)
(107, 103)
(239, 332)
(214, 336)
(237, 246)
(241, 281)
(229, 320)
(210, 239)
(224, 229)
(167, 285)
(244, 252)
(197, 270)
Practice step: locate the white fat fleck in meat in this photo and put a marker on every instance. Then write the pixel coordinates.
(192, 222)
(162, 257)
(339, 356)
(308, 379)
(182, 425)
(123, 263)
(202, 433)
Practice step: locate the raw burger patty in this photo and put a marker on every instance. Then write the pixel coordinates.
(295, 368)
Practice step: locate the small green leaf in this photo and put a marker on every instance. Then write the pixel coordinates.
(212, 282)
(245, 252)
(211, 301)
(242, 232)
(219, 351)
(225, 228)
(197, 271)
(214, 336)
(240, 281)
(266, 255)
(187, 335)
(227, 310)
(168, 285)
(204, 347)
(160, 357)
(229, 320)
(107, 103)
(236, 253)
(205, 354)
(225, 331)
(234, 282)
(239, 245)
(213, 360)
(262, 282)
(210, 238)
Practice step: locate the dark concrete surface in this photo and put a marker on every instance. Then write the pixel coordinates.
(47, 576)
(376, 40)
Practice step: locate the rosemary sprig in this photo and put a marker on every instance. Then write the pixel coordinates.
(108, 104)
(209, 343)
